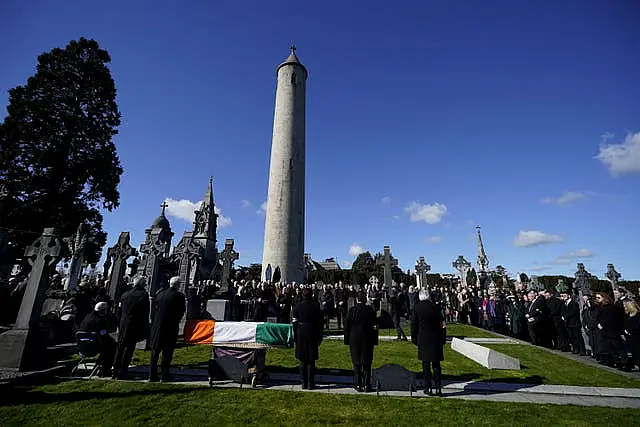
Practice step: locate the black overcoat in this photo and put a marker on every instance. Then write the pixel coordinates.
(571, 314)
(134, 322)
(170, 307)
(427, 331)
(308, 323)
(360, 333)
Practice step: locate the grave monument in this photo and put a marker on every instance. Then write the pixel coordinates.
(421, 272)
(388, 262)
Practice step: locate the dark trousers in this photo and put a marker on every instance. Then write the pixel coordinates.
(308, 374)
(575, 337)
(436, 376)
(362, 375)
(124, 353)
(167, 356)
(396, 323)
(107, 353)
(340, 314)
(562, 337)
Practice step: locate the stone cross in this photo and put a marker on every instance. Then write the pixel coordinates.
(388, 261)
(188, 254)
(77, 245)
(613, 276)
(229, 255)
(21, 347)
(582, 284)
(373, 280)
(462, 266)
(117, 258)
(421, 272)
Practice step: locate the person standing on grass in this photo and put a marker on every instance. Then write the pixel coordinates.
(429, 333)
(307, 332)
(169, 309)
(361, 335)
(134, 325)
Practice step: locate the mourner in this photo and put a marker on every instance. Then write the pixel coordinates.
(428, 332)
(97, 322)
(170, 307)
(571, 319)
(134, 325)
(361, 335)
(397, 310)
(307, 327)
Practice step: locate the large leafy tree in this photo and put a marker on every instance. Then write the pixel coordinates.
(57, 156)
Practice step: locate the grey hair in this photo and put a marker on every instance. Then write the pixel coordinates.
(423, 295)
(174, 282)
(140, 281)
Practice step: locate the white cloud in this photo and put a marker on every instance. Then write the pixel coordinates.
(433, 239)
(263, 209)
(185, 210)
(386, 200)
(527, 239)
(572, 256)
(567, 197)
(396, 217)
(346, 264)
(245, 204)
(623, 157)
(431, 214)
(355, 249)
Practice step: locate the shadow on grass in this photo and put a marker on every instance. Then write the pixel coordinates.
(27, 395)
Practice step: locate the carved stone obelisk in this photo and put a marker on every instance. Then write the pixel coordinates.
(284, 223)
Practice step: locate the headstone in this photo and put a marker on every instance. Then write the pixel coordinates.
(21, 347)
(613, 276)
(188, 253)
(393, 378)
(229, 255)
(582, 285)
(462, 266)
(421, 272)
(373, 281)
(117, 259)
(388, 262)
(77, 245)
(217, 309)
(484, 356)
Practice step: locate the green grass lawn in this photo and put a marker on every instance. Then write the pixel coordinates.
(453, 330)
(538, 366)
(108, 403)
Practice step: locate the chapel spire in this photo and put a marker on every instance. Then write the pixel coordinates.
(206, 220)
(483, 261)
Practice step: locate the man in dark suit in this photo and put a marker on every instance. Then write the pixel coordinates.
(134, 325)
(307, 329)
(170, 307)
(361, 335)
(571, 318)
(428, 332)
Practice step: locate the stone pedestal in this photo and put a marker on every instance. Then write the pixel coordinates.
(22, 349)
(217, 309)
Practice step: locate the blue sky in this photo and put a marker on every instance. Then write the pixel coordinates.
(424, 119)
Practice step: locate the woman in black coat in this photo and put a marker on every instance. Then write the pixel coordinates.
(610, 326)
(429, 334)
(361, 335)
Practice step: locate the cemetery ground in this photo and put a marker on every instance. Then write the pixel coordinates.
(106, 402)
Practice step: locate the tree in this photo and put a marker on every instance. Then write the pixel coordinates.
(57, 155)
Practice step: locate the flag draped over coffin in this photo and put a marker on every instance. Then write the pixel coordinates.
(218, 333)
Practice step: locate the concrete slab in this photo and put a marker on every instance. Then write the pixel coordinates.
(486, 357)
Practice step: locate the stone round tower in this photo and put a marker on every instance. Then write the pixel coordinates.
(283, 253)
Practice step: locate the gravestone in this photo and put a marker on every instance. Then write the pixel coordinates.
(117, 259)
(229, 255)
(388, 262)
(77, 245)
(462, 266)
(582, 285)
(21, 347)
(484, 356)
(188, 253)
(421, 272)
(393, 378)
(613, 276)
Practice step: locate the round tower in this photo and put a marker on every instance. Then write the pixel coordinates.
(284, 224)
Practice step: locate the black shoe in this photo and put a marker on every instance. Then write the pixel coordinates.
(152, 380)
(368, 389)
(428, 391)
(305, 386)
(439, 393)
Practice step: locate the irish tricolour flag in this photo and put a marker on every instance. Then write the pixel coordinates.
(212, 332)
